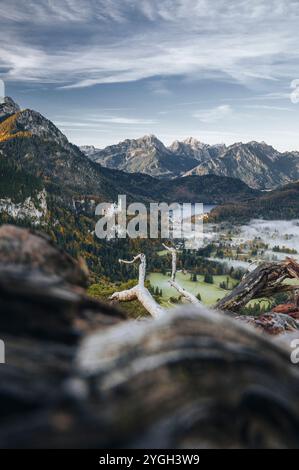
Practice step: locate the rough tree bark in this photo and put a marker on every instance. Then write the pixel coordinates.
(187, 295)
(35, 304)
(265, 281)
(192, 379)
(139, 292)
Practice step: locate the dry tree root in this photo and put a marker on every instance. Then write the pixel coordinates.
(139, 292)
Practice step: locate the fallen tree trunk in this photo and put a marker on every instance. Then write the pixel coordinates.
(265, 281)
(192, 379)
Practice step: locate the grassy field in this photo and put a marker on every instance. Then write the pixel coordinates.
(210, 293)
(162, 253)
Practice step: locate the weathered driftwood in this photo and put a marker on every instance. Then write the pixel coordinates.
(181, 381)
(184, 293)
(265, 281)
(139, 292)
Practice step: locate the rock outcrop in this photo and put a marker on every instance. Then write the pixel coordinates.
(8, 108)
(33, 209)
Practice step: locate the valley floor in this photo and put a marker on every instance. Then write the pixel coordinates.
(234, 247)
(210, 293)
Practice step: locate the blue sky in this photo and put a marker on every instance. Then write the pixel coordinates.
(108, 70)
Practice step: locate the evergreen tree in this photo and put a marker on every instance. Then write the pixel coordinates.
(208, 279)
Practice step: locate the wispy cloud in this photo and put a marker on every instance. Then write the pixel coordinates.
(267, 107)
(201, 66)
(125, 120)
(112, 41)
(93, 122)
(64, 11)
(159, 87)
(215, 114)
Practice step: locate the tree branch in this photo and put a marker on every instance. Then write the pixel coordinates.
(139, 292)
(187, 295)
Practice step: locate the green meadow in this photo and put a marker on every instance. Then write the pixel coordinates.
(210, 293)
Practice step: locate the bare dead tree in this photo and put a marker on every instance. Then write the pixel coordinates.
(265, 281)
(187, 295)
(139, 292)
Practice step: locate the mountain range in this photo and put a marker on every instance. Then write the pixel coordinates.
(258, 165)
(36, 146)
(47, 181)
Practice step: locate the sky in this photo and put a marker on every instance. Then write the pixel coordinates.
(221, 71)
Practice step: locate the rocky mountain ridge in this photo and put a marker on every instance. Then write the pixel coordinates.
(36, 146)
(257, 164)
